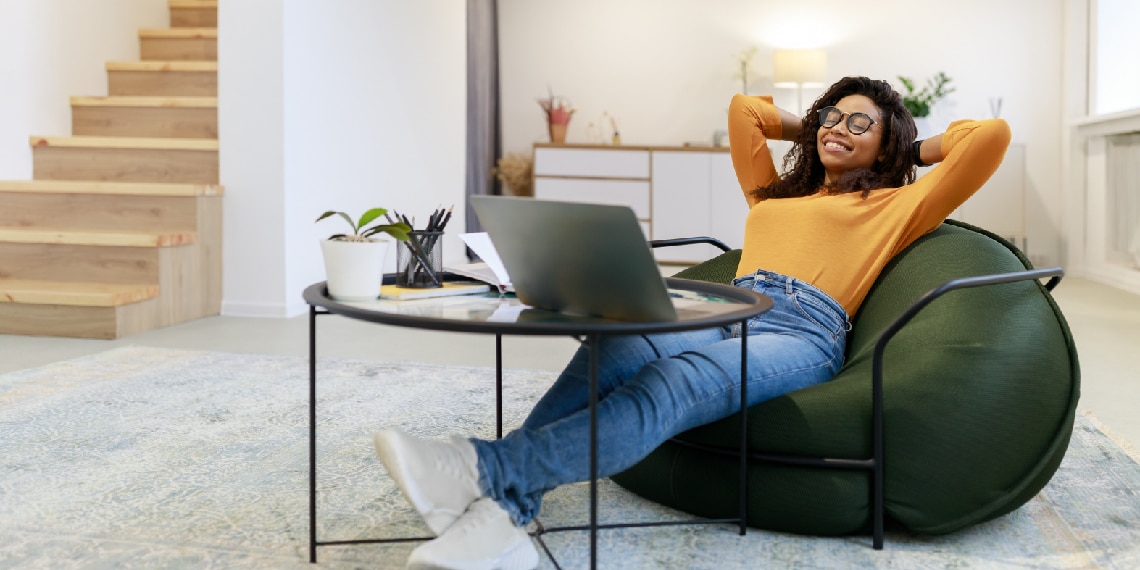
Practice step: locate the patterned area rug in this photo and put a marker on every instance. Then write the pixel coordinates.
(155, 458)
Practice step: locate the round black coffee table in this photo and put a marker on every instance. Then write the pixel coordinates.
(699, 305)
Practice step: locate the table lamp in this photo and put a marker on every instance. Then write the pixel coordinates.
(799, 68)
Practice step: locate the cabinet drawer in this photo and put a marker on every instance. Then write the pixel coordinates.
(632, 193)
(599, 163)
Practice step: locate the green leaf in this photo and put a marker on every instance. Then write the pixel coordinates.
(371, 215)
(398, 230)
(355, 230)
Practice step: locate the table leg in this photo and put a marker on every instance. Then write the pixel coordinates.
(312, 434)
(593, 346)
(744, 428)
(499, 385)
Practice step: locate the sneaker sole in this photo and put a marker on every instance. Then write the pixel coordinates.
(523, 556)
(519, 556)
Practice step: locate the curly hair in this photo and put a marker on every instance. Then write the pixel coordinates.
(805, 172)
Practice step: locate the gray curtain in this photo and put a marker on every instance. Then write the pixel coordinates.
(484, 141)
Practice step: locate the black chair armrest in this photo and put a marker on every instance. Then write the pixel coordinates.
(1055, 275)
(689, 241)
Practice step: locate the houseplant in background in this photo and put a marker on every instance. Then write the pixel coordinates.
(558, 112)
(919, 101)
(516, 172)
(354, 262)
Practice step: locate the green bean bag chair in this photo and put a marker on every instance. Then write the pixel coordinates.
(980, 390)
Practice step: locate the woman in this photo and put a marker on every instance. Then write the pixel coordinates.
(815, 241)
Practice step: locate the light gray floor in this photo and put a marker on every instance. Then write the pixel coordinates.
(1105, 322)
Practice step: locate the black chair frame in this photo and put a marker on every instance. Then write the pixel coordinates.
(875, 462)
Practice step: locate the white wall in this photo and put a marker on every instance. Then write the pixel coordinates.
(51, 50)
(251, 132)
(355, 104)
(665, 68)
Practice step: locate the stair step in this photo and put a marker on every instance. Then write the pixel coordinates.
(178, 44)
(79, 321)
(125, 159)
(121, 238)
(74, 293)
(179, 33)
(194, 13)
(145, 143)
(168, 117)
(110, 188)
(162, 78)
(147, 102)
(98, 212)
(61, 262)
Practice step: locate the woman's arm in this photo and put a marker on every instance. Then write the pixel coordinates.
(969, 152)
(790, 124)
(752, 121)
(930, 150)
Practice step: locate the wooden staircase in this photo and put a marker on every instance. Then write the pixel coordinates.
(119, 231)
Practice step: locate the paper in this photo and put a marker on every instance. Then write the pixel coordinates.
(481, 244)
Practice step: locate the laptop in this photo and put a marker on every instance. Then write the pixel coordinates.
(576, 258)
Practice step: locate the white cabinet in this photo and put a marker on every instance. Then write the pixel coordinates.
(675, 192)
(614, 162)
(729, 207)
(695, 193)
(600, 175)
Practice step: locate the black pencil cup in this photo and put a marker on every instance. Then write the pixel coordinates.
(419, 260)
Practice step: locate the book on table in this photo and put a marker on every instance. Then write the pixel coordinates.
(448, 289)
(490, 270)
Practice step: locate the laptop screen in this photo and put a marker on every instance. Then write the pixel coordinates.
(577, 258)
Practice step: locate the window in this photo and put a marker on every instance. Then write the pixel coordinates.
(1116, 46)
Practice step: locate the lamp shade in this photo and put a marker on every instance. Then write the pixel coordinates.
(799, 68)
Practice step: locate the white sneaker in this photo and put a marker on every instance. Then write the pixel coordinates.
(439, 478)
(484, 538)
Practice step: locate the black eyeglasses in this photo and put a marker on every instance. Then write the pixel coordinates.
(857, 123)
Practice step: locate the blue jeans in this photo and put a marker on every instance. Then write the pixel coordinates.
(653, 387)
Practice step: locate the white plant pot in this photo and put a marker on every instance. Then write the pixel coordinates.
(354, 269)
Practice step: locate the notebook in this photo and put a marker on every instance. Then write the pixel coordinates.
(576, 258)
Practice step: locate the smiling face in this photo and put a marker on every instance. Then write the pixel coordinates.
(839, 150)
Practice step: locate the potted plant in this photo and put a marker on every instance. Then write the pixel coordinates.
(919, 101)
(516, 172)
(354, 262)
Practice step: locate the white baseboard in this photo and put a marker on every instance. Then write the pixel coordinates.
(263, 310)
(1121, 278)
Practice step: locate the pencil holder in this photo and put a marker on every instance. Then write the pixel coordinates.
(419, 260)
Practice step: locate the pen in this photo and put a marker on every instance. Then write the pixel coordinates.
(446, 217)
(441, 222)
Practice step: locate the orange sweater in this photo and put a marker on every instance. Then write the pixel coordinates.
(840, 242)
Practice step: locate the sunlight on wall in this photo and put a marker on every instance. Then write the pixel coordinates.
(799, 27)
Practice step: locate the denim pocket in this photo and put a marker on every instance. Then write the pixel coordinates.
(817, 312)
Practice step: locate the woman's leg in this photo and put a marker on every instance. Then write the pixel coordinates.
(665, 398)
(619, 359)
(800, 342)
